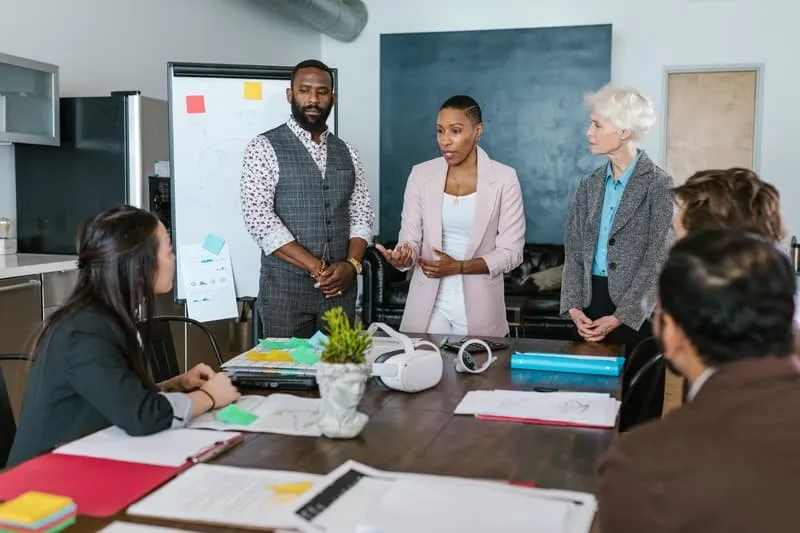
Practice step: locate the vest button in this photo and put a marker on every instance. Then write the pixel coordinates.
(611, 241)
(327, 204)
(612, 266)
(328, 222)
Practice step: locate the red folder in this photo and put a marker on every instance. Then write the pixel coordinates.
(539, 421)
(99, 487)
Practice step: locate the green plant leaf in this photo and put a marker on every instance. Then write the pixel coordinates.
(346, 343)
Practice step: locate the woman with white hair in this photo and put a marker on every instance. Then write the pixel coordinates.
(618, 230)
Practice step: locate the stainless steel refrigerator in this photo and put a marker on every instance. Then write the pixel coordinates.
(108, 146)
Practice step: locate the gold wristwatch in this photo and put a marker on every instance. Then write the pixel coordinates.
(356, 264)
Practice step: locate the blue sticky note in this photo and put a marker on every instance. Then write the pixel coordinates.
(318, 340)
(213, 243)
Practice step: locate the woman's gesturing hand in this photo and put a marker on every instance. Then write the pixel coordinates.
(399, 257)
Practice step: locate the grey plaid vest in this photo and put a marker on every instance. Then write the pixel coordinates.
(315, 210)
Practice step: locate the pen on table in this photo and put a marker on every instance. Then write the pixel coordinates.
(215, 451)
(545, 389)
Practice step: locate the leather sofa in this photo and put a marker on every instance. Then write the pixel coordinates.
(537, 281)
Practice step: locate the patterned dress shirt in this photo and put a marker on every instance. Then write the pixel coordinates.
(260, 175)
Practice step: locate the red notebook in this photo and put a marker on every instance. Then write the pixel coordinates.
(99, 487)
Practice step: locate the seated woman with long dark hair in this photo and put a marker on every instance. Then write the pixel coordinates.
(89, 366)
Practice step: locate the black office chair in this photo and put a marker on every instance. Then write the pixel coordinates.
(8, 426)
(164, 357)
(643, 399)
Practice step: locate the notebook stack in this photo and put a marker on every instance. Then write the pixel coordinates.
(37, 512)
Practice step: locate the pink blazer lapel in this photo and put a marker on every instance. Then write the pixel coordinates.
(485, 200)
(434, 194)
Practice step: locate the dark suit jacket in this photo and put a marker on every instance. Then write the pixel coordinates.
(640, 237)
(729, 460)
(80, 382)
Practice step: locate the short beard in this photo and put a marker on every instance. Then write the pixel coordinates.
(317, 125)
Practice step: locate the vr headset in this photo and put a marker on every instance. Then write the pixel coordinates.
(409, 369)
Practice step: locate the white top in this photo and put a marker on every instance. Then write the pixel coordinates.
(30, 264)
(458, 213)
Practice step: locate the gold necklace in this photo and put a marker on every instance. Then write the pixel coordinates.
(457, 197)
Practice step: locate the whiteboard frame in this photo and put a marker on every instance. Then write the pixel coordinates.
(177, 69)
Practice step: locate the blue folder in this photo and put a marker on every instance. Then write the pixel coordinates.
(553, 362)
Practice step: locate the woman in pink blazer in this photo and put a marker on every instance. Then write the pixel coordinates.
(462, 228)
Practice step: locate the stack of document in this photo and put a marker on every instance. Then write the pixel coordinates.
(294, 356)
(355, 497)
(559, 362)
(558, 408)
(37, 512)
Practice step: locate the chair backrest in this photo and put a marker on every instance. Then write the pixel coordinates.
(8, 426)
(645, 386)
(163, 356)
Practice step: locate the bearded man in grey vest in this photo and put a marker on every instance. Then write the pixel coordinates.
(305, 203)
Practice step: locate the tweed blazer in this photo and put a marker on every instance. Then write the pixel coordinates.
(640, 238)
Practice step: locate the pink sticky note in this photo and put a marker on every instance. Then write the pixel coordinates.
(196, 103)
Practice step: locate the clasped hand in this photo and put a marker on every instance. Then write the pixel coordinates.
(217, 384)
(593, 330)
(335, 279)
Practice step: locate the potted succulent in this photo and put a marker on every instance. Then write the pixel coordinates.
(342, 375)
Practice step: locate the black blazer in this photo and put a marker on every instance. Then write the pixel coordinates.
(80, 382)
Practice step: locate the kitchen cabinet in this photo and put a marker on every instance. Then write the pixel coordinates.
(29, 104)
(56, 288)
(20, 320)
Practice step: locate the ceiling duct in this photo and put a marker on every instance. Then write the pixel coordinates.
(342, 20)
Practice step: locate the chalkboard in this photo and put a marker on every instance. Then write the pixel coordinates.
(530, 84)
(215, 110)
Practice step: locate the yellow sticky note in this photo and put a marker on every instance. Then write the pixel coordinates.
(295, 489)
(32, 507)
(252, 90)
(274, 356)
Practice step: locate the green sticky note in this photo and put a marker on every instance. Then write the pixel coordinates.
(294, 342)
(304, 356)
(236, 415)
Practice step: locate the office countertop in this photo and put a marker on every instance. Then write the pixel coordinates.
(29, 264)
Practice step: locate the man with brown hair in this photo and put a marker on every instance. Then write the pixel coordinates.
(735, 198)
(727, 460)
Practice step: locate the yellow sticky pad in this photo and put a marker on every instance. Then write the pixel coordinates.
(274, 356)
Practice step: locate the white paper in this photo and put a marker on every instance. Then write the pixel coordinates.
(243, 497)
(208, 283)
(128, 527)
(580, 408)
(168, 448)
(477, 509)
(373, 501)
(284, 414)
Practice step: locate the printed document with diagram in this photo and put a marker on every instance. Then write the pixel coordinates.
(239, 497)
(355, 498)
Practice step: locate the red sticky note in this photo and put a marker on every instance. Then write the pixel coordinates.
(196, 103)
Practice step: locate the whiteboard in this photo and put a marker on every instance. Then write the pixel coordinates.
(215, 110)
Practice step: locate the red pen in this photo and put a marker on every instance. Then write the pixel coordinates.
(523, 483)
(215, 451)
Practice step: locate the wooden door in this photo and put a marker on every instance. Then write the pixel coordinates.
(711, 121)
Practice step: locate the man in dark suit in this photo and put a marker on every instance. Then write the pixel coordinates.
(727, 460)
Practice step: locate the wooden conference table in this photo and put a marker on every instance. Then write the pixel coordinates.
(419, 433)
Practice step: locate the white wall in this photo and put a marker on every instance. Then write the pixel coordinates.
(648, 36)
(108, 45)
